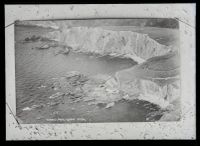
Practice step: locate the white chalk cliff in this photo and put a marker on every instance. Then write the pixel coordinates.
(128, 44)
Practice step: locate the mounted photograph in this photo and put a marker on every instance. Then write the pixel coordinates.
(97, 70)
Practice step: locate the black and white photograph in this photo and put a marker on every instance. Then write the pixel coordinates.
(97, 70)
(109, 74)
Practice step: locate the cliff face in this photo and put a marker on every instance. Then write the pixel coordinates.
(160, 95)
(127, 44)
(157, 80)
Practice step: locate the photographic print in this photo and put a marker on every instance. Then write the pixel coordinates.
(97, 70)
(100, 71)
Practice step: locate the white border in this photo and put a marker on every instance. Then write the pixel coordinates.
(185, 129)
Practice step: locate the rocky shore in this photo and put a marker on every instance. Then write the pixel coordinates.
(156, 78)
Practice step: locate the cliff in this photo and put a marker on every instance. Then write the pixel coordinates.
(127, 44)
(157, 80)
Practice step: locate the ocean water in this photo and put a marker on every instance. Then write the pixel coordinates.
(35, 68)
